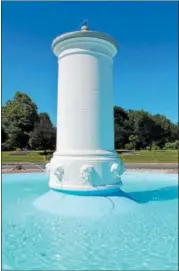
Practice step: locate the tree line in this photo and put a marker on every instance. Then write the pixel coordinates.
(138, 129)
(23, 127)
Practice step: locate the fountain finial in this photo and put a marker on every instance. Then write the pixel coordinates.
(85, 25)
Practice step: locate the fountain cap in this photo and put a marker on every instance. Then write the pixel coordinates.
(63, 41)
(85, 27)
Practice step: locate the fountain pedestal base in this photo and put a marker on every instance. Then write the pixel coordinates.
(85, 171)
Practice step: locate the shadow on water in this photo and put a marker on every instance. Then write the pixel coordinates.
(163, 194)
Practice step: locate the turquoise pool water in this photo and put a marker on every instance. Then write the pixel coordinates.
(136, 229)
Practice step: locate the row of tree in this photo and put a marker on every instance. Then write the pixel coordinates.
(142, 130)
(23, 127)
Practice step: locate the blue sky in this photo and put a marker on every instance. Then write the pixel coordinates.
(145, 68)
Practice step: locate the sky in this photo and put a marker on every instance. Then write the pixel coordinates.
(145, 68)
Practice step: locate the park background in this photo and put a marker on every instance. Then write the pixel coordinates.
(145, 76)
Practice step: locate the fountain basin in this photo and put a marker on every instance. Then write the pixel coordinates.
(135, 228)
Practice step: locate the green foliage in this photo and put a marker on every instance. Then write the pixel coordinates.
(3, 135)
(22, 126)
(143, 127)
(122, 128)
(134, 141)
(18, 118)
(130, 146)
(155, 146)
(172, 145)
(43, 136)
(174, 132)
(7, 146)
(163, 131)
(141, 130)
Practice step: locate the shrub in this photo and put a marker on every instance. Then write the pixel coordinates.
(7, 146)
(155, 147)
(172, 145)
(130, 146)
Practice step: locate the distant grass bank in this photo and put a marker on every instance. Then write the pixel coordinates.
(9, 157)
(169, 156)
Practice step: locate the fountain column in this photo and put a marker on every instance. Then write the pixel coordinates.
(85, 157)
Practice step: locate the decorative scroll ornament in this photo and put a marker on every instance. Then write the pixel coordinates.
(86, 173)
(117, 170)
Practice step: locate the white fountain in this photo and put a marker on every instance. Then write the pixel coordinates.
(85, 158)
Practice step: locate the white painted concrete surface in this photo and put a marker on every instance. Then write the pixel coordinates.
(85, 153)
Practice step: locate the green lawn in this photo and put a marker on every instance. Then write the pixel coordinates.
(168, 156)
(143, 157)
(32, 157)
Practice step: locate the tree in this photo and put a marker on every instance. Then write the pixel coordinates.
(142, 127)
(3, 135)
(21, 125)
(121, 125)
(133, 141)
(154, 146)
(174, 132)
(18, 118)
(163, 130)
(149, 131)
(172, 145)
(43, 136)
